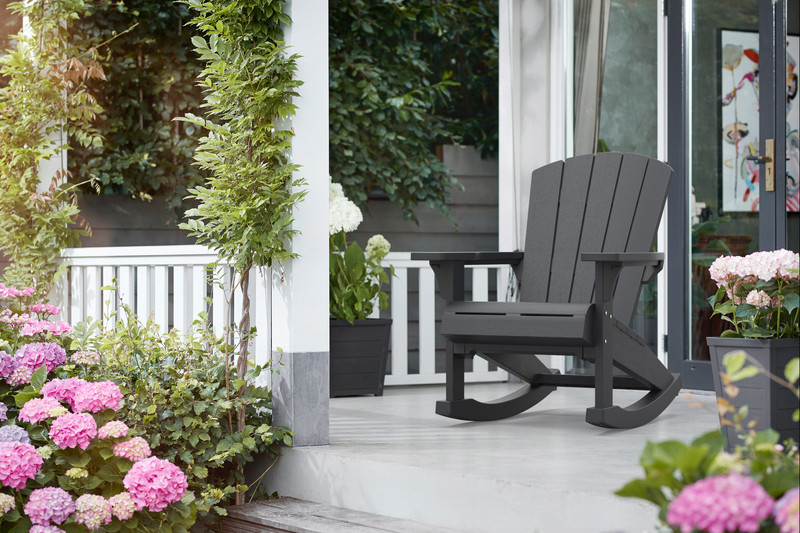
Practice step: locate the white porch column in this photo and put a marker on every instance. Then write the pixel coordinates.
(300, 314)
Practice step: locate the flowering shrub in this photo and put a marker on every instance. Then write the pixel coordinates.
(759, 294)
(700, 487)
(58, 471)
(355, 276)
(184, 416)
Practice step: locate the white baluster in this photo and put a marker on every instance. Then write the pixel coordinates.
(109, 298)
(161, 297)
(400, 322)
(427, 321)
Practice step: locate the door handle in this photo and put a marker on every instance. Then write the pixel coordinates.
(769, 163)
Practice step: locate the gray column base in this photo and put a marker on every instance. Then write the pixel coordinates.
(300, 396)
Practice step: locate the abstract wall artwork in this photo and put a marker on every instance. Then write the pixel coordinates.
(739, 113)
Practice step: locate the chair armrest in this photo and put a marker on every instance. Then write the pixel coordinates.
(448, 267)
(653, 261)
(625, 258)
(471, 258)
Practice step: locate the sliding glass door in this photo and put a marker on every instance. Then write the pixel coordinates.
(733, 141)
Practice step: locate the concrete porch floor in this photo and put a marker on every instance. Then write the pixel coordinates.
(545, 470)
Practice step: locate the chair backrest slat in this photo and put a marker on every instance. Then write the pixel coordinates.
(572, 206)
(606, 202)
(542, 213)
(601, 196)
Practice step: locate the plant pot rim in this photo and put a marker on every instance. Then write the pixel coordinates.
(360, 321)
(737, 341)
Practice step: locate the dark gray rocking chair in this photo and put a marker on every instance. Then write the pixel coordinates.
(592, 222)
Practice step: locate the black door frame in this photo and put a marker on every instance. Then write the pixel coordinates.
(772, 218)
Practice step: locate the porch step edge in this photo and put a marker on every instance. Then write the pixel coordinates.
(291, 515)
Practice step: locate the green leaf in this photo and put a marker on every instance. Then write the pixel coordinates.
(792, 370)
(734, 361)
(38, 378)
(21, 398)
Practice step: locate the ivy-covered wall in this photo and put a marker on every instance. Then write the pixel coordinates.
(152, 77)
(405, 76)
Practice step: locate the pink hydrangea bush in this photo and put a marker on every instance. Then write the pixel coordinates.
(762, 282)
(73, 429)
(717, 504)
(50, 504)
(155, 483)
(19, 462)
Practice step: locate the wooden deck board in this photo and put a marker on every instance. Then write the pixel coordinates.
(290, 515)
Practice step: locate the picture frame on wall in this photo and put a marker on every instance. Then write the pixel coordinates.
(739, 135)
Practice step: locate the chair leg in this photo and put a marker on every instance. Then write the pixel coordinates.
(454, 390)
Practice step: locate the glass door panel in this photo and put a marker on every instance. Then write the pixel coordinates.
(722, 131)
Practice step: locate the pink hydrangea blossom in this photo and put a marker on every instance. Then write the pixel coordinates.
(13, 292)
(134, 449)
(92, 511)
(155, 483)
(38, 409)
(45, 529)
(758, 299)
(44, 308)
(6, 503)
(787, 511)
(96, 397)
(34, 327)
(732, 502)
(113, 430)
(3, 412)
(18, 463)
(20, 376)
(36, 354)
(122, 505)
(85, 358)
(7, 364)
(71, 430)
(50, 504)
(63, 389)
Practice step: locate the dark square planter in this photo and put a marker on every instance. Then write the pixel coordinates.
(358, 356)
(770, 404)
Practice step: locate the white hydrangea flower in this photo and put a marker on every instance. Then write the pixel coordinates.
(343, 215)
(377, 247)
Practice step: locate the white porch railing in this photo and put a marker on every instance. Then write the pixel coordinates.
(170, 283)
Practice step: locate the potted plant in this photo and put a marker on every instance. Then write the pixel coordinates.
(358, 344)
(758, 295)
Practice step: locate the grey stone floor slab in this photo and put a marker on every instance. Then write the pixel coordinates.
(545, 470)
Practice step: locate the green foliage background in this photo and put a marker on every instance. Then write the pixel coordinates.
(405, 76)
(152, 79)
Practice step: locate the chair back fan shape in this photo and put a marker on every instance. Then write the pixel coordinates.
(577, 194)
